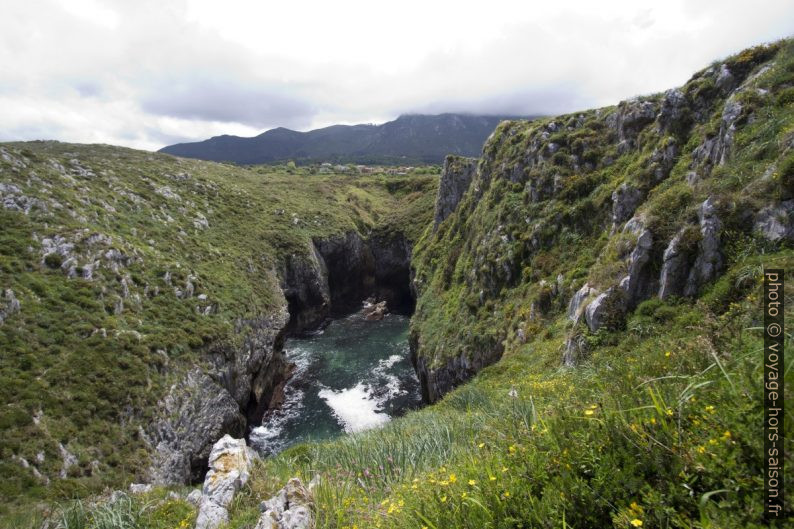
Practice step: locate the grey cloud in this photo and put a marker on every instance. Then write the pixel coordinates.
(227, 101)
(524, 101)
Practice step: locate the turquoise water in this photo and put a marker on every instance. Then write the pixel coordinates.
(352, 376)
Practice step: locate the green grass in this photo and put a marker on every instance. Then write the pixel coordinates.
(85, 361)
(659, 426)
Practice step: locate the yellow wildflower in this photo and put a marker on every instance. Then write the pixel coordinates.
(588, 412)
(443, 499)
(472, 482)
(636, 522)
(480, 445)
(492, 478)
(452, 478)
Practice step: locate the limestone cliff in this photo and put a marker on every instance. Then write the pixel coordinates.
(595, 212)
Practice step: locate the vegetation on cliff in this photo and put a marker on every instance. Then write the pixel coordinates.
(120, 270)
(608, 266)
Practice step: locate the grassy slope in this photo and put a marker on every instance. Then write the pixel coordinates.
(91, 376)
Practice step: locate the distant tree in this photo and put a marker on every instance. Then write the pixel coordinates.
(291, 167)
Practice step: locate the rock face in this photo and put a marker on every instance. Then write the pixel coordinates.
(776, 223)
(437, 381)
(456, 177)
(290, 508)
(230, 463)
(202, 407)
(624, 202)
(709, 261)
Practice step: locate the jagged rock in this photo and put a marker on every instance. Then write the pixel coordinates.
(676, 262)
(578, 302)
(625, 200)
(663, 159)
(167, 193)
(140, 488)
(636, 284)
(714, 151)
(202, 407)
(709, 260)
(230, 464)
(776, 223)
(456, 177)
(198, 412)
(631, 117)
(9, 306)
(605, 309)
(375, 311)
(673, 113)
(290, 508)
(68, 460)
(725, 79)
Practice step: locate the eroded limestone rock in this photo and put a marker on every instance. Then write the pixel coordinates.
(230, 464)
(290, 508)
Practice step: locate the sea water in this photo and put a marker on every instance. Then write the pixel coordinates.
(351, 376)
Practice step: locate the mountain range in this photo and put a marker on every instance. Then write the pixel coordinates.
(411, 138)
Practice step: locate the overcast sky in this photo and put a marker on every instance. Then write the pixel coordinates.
(147, 73)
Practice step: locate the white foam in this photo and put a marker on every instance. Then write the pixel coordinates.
(355, 408)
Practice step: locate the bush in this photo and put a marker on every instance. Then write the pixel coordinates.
(53, 260)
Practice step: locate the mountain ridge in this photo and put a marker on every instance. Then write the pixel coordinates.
(411, 138)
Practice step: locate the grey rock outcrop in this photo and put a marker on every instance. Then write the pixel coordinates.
(579, 301)
(8, 305)
(676, 263)
(714, 151)
(200, 412)
(637, 284)
(709, 261)
(436, 381)
(230, 464)
(456, 177)
(290, 508)
(204, 406)
(605, 308)
(625, 200)
(673, 112)
(631, 117)
(775, 223)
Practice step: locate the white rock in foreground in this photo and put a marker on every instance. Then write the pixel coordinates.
(230, 463)
(290, 508)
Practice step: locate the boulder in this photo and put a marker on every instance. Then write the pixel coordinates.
(577, 303)
(290, 508)
(605, 309)
(230, 463)
(376, 311)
